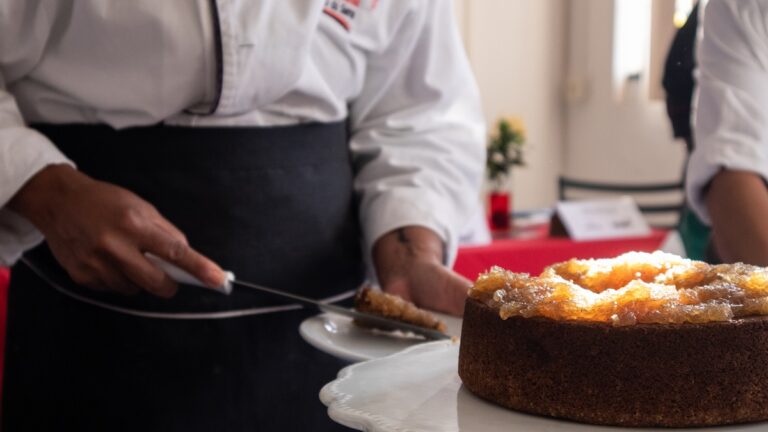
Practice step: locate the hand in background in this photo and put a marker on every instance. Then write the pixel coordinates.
(409, 263)
(99, 232)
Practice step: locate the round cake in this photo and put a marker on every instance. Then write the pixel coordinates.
(639, 340)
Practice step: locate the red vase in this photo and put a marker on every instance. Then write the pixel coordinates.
(500, 216)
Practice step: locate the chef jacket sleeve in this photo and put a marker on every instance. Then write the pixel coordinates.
(417, 131)
(731, 115)
(23, 152)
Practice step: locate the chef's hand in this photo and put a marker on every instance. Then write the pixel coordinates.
(99, 233)
(409, 263)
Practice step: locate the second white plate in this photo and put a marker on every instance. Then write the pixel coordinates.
(338, 336)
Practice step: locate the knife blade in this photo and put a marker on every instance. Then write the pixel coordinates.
(375, 321)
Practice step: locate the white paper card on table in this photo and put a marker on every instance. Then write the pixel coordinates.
(602, 219)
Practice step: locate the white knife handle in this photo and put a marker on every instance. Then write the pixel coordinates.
(182, 276)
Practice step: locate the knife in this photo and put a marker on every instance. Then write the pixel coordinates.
(371, 320)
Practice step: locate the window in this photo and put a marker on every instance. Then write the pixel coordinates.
(643, 32)
(631, 42)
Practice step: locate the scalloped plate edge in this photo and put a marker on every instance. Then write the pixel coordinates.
(336, 400)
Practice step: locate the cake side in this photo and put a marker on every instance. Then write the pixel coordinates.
(673, 375)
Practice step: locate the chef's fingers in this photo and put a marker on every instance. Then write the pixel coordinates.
(117, 281)
(143, 273)
(102, 274)
(85, 275)
(457, 288)
(171, 229)
(176, 251)
(127, 276)
(126, 286)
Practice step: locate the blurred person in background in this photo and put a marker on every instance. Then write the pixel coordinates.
(678, 82)
(728, 169)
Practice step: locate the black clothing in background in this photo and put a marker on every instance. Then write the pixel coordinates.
(678, 78)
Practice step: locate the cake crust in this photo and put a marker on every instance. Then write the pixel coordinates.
(671, 375)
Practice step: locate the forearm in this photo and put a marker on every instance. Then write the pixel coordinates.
(738, 205)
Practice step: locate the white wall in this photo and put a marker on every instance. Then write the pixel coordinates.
(517, 50)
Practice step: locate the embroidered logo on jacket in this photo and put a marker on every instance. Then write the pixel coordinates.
(345, 11)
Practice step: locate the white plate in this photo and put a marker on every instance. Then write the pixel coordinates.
(418, 389)
(338, 336)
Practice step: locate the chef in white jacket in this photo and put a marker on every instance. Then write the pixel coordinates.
(245, 135)
(729, 167)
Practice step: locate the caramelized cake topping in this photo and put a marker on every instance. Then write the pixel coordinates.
(633, 288)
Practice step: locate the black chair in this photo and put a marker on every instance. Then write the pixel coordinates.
(660, 203)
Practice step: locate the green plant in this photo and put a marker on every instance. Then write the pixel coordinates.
(505, 149)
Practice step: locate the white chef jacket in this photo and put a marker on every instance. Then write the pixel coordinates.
(731, 111)
(395, 68)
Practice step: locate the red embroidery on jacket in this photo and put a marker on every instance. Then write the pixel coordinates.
(345, 11)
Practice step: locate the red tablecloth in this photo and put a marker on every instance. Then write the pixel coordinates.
(532, 255)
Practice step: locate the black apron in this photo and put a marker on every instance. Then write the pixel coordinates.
(273, 205)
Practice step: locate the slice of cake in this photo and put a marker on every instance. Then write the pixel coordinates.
(639, 340)
(390, 306)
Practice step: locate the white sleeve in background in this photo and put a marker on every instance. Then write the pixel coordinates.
(23, 152)
(731, 114)
(418, 132)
